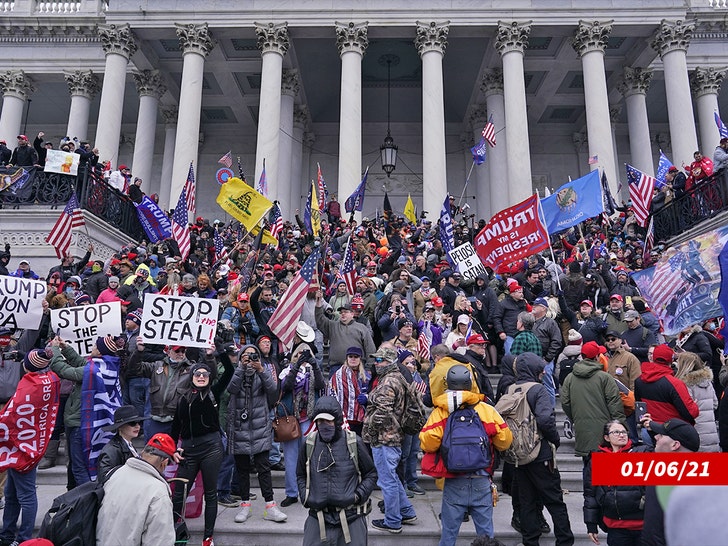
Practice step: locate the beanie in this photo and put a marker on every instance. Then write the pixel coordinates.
(575, 337)
(36, 360)
(106, 346)
(135, 317)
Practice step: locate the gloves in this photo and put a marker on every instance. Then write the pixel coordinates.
(363, 399)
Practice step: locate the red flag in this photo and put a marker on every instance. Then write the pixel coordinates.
(60, 235)
(512, 234)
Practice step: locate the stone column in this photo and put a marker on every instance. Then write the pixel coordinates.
(492, 86)
(614, 113)
(196, 42)
(511, 41)
(16, 87)
(273, 44)
(309, 139)
(705, 84)
(300, 122)
(289, 90)
(163, 188)
(119, 44)
(589, 43)
(352, 41)
(671, 41)
(150, 88)
(431, 42)
(634, 86)
(479, 184)
(83, 86)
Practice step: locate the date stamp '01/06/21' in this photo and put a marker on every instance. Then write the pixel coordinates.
(660, 469)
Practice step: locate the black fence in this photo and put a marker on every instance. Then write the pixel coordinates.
(94, 194)
(704, 201)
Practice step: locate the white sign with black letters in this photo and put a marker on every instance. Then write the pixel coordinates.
(467, 261)
(178, 320)
(80, 326)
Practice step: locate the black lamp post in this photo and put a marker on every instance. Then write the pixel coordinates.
(388, 150)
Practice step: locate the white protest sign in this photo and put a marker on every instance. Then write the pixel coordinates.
(21, 302)
(178, 320)
(58, 161)
(467, 261)
(80, 326)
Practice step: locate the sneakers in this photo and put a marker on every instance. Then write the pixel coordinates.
(278, 467)
(227, 500)
(379, 524)
(208, 542)
(416, 489)
(273, 513)
(288, 501)
(244, 514)
(410, 493)
(410, 520)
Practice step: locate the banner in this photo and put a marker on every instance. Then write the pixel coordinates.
(14, 178)
(682, 287)
(467, 261)
(573, 203)
(154, 220)
(21, 302)
(28, 421)
(58, 161)
(80, 326)
(512, 234)
(100, 398)
(242, 202)
(176, 320)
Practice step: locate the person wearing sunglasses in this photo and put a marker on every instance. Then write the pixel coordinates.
(127, 425)
(619, 509)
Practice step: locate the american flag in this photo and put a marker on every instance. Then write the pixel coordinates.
(593, 160)
(285, 318)
(640, 191)
(181, 227)
(649, 240)
(226, 160)
(722, 129)
(60, 236)
(221, 253)
(667, 281)
(262, 187)
(276, 221)
(424, 342)
(348, 268)
(190, 190)
(322, 192)
(489, 132)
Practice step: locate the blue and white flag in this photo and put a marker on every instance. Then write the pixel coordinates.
(447, 237)
(573, 203)
(355, 202)
(722, 129)
(153, 219)
(479, 151)
(662, 168)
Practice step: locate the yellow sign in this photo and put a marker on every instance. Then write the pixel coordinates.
(242, 202)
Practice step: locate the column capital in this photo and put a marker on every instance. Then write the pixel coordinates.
(614, 113)
(169, 113)
(706, 81)
(149, 82)
(118, 39)
(300, 115)
(591, 36)
(83, 83)
(478, 115)
(492, 82)
(672, 35)
(272, 37)
(195, 38)
(309, 139)
(635, 81)
(290, 84)
(512, 36)
(352, 37)
(432, 36)
(15, 83)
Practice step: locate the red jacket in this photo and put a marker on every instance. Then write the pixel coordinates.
(665, 395)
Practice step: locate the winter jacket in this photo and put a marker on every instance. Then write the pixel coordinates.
(639, 340)
(438, 374)
(700, 387)
(95, 284)
(506, 315)
(481, 375)
(252, 395)
(137, 508)
(385, 409)
(342, 485)
(550, 336)
(625, 367)
(526, 342)
(720, 159)
(619, 506)
(115, 453)
(665, 395)
(625, 290)
(342, 336)
(590, 398)
(695, 342)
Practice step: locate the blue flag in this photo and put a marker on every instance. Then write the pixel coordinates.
(723, 294)
(446, 232)
(479, 151)
(356, 200)
(573, 203)
(662, 167)
(722, 129)
(155, 222)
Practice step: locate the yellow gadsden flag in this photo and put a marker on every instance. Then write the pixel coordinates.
(409, 210)
(267, 238)
(242, 202)
(315, 212)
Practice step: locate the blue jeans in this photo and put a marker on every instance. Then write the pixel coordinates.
(548, 382)
(275, 448)
(396, 503)
(152, 427)
(79, 463)
(20, 497)
(507, 345)
(139, 395)
(290, 454)
(461, 495)
(410, 449)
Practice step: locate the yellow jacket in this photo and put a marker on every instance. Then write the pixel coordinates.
(438, 374)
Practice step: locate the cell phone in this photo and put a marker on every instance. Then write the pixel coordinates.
(640, 408)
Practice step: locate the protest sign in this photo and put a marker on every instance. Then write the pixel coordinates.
(80, 326)
(21, 302)
(58, 161)
(178, 320)
(467, 261)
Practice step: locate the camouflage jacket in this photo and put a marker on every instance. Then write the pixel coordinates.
(385, 409)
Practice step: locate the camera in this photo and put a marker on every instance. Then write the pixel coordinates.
(398, 309)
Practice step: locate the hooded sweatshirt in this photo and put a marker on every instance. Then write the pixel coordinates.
(665, 395)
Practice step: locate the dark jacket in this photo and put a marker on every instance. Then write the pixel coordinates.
(24, 156)
(95, 284)
(550, 336)
(639, 340)
(114, 454)
(340, 485)
(697, 343)
(506, 315)
(665, 395)
(481, 375)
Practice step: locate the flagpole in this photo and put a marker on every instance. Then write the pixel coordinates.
(467, 179)
(543, 220)
(583, 242)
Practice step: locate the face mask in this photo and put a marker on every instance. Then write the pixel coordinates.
(327, 430)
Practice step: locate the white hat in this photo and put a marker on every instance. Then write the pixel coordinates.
(305, 332)
(224, 269)
(463, 319)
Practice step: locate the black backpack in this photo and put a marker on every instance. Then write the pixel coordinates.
(465, 446)
(565, 368)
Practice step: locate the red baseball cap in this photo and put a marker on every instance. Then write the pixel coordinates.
(437, 301)
(476, 339)
(163, 443)
(616, 297)
(587, 302)
(592, 350)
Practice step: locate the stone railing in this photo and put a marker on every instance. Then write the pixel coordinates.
(60, 7)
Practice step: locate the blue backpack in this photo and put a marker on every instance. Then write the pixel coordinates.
(465, 446)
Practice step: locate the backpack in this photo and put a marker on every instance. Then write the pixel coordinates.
(415, 414)
(518, 415)
(465, 446)
(566, 366)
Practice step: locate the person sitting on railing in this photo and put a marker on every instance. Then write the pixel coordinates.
(42, 148)
(700, 169)
(720, 156)
(24, 155)
(676, 180)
